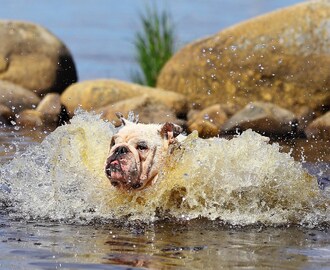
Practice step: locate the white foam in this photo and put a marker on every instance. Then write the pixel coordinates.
(243, 181)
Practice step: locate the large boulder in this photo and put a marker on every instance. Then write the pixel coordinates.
(34, 58)
(282, 57)
(95, 94)
(16, 97)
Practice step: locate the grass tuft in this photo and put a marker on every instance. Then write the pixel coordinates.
(154, 45)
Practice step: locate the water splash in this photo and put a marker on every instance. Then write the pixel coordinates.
(242, 181)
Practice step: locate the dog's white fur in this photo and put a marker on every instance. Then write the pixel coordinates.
(137, 152)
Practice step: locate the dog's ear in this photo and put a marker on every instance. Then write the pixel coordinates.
(123, 120)
(169, 131)
(132, 119)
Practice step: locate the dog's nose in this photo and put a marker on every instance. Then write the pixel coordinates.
(121, 150)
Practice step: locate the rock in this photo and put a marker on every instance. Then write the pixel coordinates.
(6, 114)
(92, 95)
(265, 118)
(30, 118)
(158, 113)
(34, 58)
(17, 98)
(305, 116)
(147, 109)
(208, 122)
(50, 108)
(282, 57)
(319, 128)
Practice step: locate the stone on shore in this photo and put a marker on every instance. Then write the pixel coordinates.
(34, 58)
(95, 94)
(208, 122)
(147, 109)
(265, 118)
(50, 108)
(6, 114)
(16, 97)
(30, 118)
(282, 57)
(319, 128)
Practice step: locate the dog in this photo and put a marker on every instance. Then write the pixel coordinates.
(137, 152)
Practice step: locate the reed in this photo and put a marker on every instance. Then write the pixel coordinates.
(154, 45)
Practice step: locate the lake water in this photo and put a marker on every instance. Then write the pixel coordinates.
(99, 35)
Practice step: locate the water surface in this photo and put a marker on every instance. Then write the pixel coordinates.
(194, 245)
(79, 241)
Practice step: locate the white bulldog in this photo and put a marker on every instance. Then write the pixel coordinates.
(137, 152)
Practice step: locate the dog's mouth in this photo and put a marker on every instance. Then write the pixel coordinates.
(114, 171)
(122, 172)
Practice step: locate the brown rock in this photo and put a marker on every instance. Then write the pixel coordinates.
(158, 113)
(16, 97)
(266, 58)
(92, 95)
(319, 128)
(6, 114)
(305, 116)
(265, 118)
(34, 58)
(208, 122)
(30, 118)
(50, 108)
(147, 109)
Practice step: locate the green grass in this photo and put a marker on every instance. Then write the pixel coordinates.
(154, 45)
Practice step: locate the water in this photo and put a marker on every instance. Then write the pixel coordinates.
(162, 246)
(242, 181)
(61, 213)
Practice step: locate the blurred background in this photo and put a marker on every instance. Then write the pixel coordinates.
(100, 33)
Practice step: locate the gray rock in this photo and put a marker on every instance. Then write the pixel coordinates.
(262, 117)
(50, 108)
(319, 128)
(16, 97)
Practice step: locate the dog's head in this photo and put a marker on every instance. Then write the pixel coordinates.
(137, 152)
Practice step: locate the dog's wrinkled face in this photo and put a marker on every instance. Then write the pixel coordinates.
(137, 152)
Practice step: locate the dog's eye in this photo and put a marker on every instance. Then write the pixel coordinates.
(142, 146)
